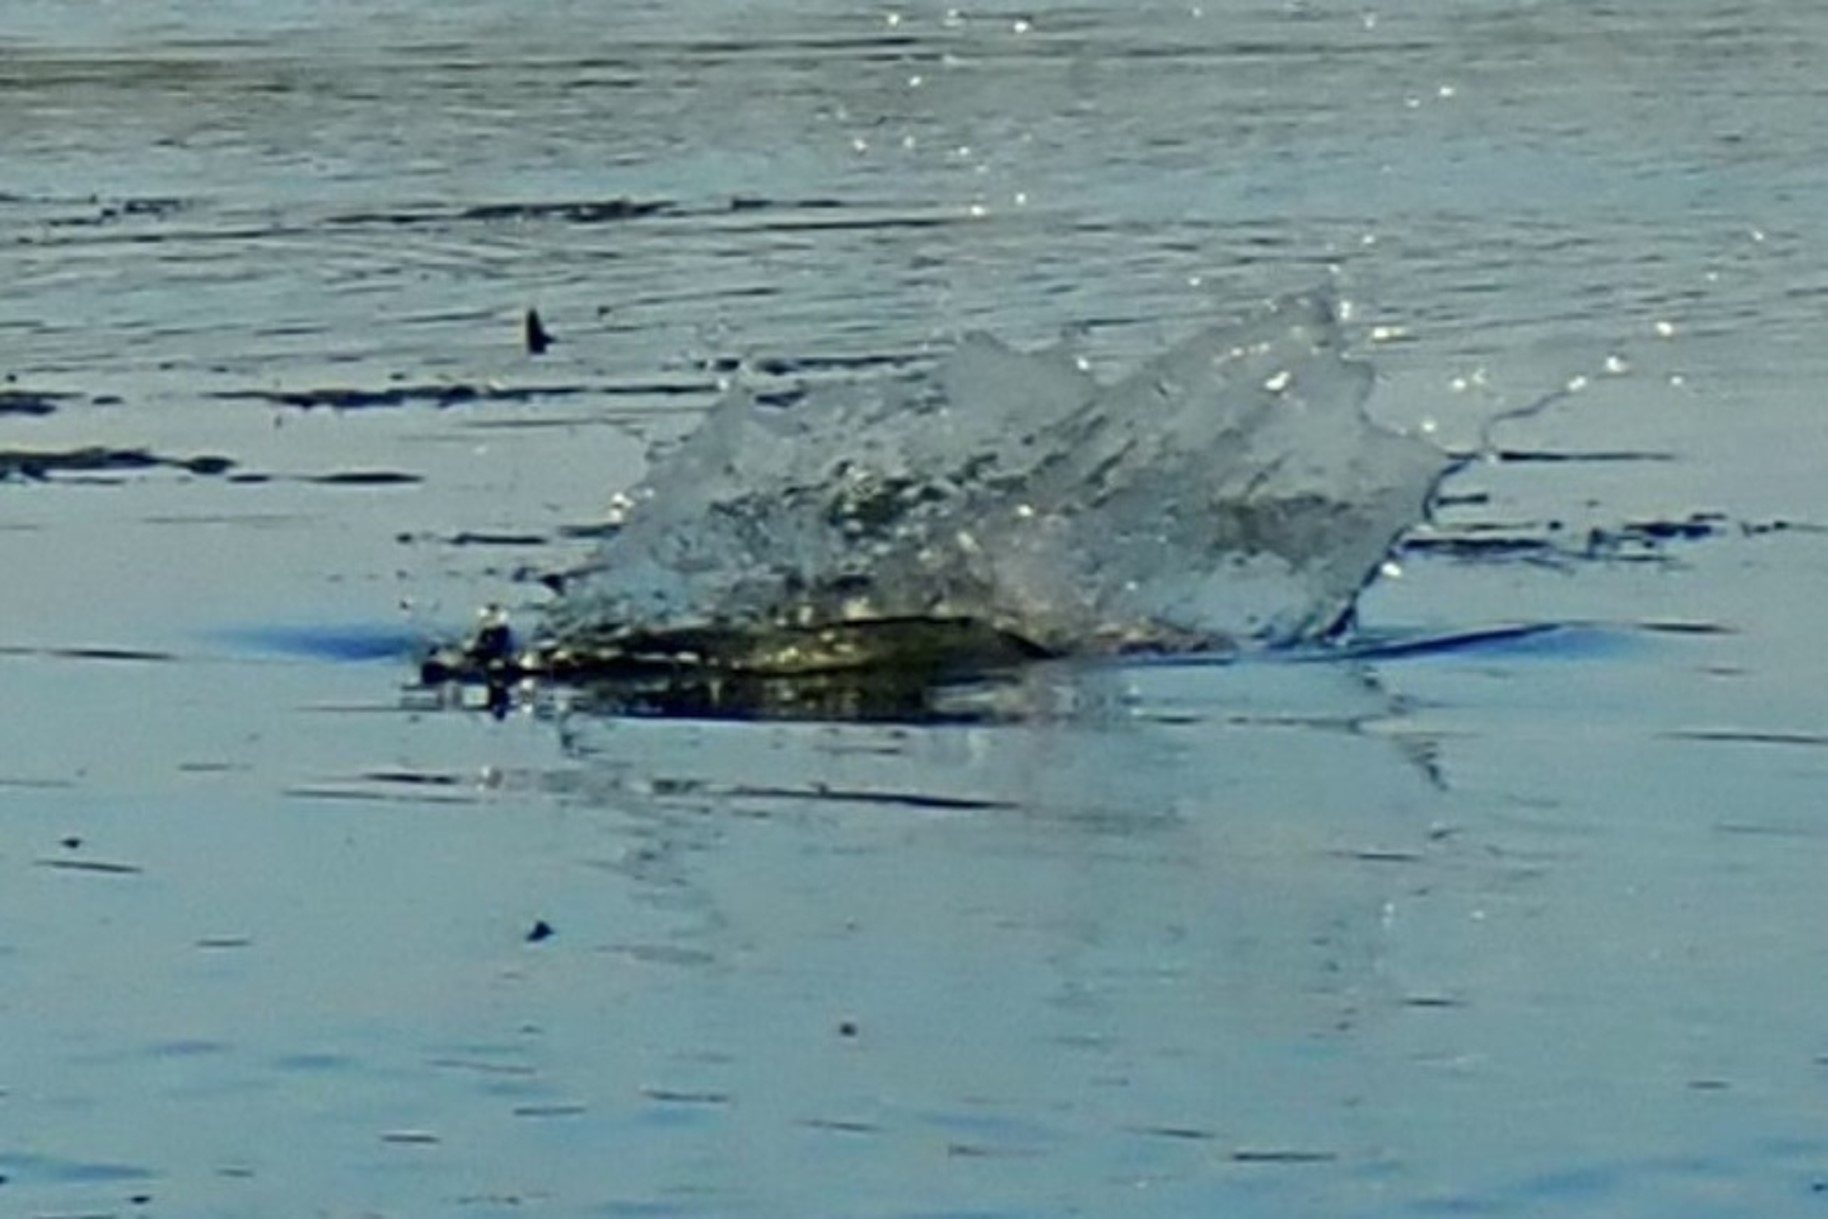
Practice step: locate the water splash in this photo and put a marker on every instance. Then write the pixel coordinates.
(1228, 494)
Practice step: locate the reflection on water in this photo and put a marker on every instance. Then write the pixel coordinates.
(965, 901)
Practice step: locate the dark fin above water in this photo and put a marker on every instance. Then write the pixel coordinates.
(538, 338)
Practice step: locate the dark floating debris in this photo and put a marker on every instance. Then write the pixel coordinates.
(540, 932)
(534, 333)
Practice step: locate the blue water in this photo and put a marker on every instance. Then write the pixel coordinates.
(1521, 926)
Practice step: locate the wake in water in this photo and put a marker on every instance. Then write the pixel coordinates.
(1229, 495)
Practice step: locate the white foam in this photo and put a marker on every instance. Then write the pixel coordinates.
(1229, 492)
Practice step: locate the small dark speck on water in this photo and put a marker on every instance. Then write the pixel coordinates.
(847, 1028)
(542, 930)
(537, 336)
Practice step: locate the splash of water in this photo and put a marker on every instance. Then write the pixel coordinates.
(1230, 493)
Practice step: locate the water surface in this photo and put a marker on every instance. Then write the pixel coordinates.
(1501, 930)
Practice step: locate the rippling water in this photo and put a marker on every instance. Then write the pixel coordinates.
(1517, 928)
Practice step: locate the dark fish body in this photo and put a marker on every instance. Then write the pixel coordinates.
(928, 647)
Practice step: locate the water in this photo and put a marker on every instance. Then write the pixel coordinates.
(1227, 493)
(1508, 929)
